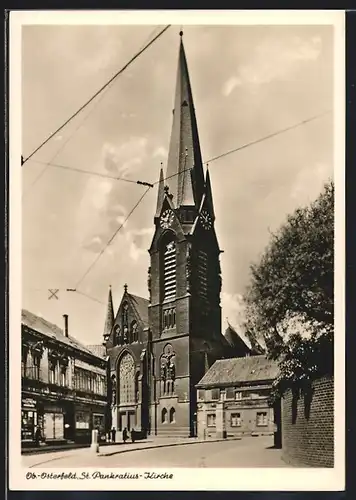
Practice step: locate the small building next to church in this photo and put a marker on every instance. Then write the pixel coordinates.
(233, 397)
(64, 384)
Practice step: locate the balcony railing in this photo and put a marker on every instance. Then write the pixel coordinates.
(32, 373)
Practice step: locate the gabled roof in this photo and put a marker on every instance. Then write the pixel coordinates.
(98, 350)
(51, 330)
(141, 305)
(227, 372)
(235, 340)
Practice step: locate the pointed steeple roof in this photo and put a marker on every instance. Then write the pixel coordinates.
(209, 194)
(110, 318)
(185, 175)
(160, 196)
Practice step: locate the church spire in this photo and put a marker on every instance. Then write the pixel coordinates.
(160, 196)
(209, 194)
(185, 175)
(109, 322)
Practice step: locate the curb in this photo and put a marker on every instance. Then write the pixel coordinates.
(164, 445)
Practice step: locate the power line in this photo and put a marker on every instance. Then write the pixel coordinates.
(89, 297)
(87, 172)
(261, 139)
(268, 136)
(157, 182)
(111, 239)
(50, 163)
(24, 160)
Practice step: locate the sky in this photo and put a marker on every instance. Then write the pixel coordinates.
(248, 82)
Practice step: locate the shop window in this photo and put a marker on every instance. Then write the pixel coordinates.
(211, 420)
(261, 419)
(235, 419)
(172, 415)
(27, 425)
(54, 425)
(164, 416)
(98, 422)
(82, 420)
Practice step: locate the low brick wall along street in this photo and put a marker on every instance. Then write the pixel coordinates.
(308, 425)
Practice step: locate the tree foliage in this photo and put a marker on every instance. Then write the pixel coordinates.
(290, 301)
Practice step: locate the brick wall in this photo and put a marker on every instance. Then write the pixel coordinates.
(308, 426)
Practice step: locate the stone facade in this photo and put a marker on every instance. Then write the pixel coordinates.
(64, 385)
(233, 398)
(178, 328)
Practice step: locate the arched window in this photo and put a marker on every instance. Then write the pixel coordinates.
(133, 331)
(164, 416)
(125, 322)
(168, 370)
(137, 389)
(172, 415)
(169, 270)
(127, 379)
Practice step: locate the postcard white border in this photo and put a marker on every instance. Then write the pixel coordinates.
(261, 479)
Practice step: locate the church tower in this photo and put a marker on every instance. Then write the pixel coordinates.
(184, 276)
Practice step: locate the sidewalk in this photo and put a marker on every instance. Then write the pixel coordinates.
(157, 442)
(113, 449)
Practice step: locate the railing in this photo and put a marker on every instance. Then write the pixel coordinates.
(32, 373)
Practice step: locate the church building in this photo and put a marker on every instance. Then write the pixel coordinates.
(161, 347)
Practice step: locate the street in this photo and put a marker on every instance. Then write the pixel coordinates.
(247, 452)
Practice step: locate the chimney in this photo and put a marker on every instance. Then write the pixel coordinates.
(65, 316)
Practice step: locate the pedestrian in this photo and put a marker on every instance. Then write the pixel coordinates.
(132, 435)
(113, 435)
(124, 435)
(37, 435)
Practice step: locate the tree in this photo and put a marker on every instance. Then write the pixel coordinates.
(290, 301)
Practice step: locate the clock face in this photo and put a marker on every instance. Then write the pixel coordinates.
(206, 220)
(166, 219)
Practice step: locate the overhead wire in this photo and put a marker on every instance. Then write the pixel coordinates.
(303, 122)
(251, 143)
(50, 163)
(112, 238)
(24, 160)
(124, 179)
(87, 172)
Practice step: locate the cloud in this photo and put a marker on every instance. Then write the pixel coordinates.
(274, 59)
(138, 240)
(233, 311)
(160, 151)
(230, 84)
(233, 308)
(309, 182)
(125, 158)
